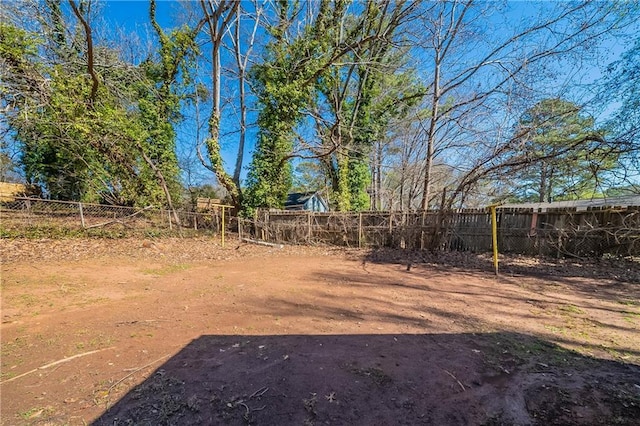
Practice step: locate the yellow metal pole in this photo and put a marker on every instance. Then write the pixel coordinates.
(223, 207)
(494, 234)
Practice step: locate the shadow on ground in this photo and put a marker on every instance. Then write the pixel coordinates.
(625, 270)
(443, 379)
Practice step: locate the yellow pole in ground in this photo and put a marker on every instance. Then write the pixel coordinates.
(494, 235)
(223, 206)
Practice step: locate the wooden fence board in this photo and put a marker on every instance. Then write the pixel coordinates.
(553, 232)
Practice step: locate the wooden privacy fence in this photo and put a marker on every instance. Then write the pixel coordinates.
(565, 232)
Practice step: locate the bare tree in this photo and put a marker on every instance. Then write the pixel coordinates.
(242, 62)
(474, 71)
(219, 16)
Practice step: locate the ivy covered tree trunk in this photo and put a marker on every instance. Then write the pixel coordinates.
(359, 183)
(284, 83)
(270, 176)
(218, 18)
(350, 189)
(270, 173)
(342, 187)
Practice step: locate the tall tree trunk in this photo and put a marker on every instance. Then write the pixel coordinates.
(542, 192)
(374, 188)
(243, 127)
(431, 135)
(550, 185)
(342, 192)
(218, 22)
(89, 38)
(242, 73)
(162, 181)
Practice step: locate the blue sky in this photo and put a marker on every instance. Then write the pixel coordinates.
(135, 14)
(133, 17)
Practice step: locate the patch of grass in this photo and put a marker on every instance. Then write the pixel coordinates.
(140, 334)
(631, 317)
(97, 342)
(62, 231)
(59, 232)
(39, 231)
(35, 412)
(515, 350)
(156, 233)
(614, 353)
(8, 348)
(46, 340)
(556, 330)
(6, 375)
(27, 300)
(101, 341)
(572, 309)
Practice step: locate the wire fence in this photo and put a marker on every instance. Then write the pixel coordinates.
(566, 232)
(23, 213)
(555, 232)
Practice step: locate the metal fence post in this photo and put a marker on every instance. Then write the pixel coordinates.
(360, 230)
(81, 215)
(494, 236)
(422, 223)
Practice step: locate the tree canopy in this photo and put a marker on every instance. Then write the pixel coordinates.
(566, 153)
(387, 104)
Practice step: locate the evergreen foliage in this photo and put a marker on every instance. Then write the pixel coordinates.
(566, 152)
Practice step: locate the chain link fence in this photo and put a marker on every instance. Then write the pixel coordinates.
(20, 214)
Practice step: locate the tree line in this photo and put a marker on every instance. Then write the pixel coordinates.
(378, 104)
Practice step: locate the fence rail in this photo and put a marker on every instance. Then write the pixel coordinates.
(21, 212)
(559, 232)
(525, 231)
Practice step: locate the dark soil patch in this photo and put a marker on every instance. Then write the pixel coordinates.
(489, 379)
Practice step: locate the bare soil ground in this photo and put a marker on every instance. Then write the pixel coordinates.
(182, 331)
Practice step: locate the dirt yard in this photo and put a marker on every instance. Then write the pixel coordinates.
(170, 331)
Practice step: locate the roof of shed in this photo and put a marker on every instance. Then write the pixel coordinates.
(297, 199)
(623, 201)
